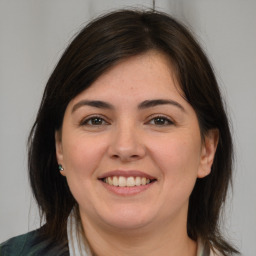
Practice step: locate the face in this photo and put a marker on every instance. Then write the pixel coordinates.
(131, 148)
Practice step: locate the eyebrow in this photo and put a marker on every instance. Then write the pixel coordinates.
(143, 105)
(92, 103)
(156, 102)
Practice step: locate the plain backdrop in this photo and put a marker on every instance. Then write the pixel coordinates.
(34, 33)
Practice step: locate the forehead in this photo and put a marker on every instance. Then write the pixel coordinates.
(146, 74)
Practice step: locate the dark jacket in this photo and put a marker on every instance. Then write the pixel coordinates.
(29, 245)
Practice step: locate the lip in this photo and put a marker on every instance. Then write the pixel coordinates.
(126, 173)
(127, 191)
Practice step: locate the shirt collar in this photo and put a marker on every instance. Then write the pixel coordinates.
(75, 237)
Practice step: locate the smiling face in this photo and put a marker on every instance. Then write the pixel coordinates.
(131, 148)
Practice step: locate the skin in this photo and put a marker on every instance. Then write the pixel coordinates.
(125, 137)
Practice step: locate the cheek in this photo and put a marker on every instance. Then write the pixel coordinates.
(82, 155)
(180, 151)
(81, 160)
(178, 159)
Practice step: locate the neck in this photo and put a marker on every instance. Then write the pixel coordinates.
(168, 239)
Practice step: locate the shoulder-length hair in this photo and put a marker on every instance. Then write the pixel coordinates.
(100, 45)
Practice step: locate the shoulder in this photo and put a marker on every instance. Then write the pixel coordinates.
(203, 250)
(28, 245)
(19, 245)
(215, 253)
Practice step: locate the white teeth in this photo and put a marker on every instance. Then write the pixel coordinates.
(130, 182)
(115, 181)
(137, 181)
(122, 181)
(144, 181)
(109, 181)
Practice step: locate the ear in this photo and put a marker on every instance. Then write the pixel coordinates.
(208, 152)
(59, 150)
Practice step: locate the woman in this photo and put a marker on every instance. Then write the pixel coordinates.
(131, 152)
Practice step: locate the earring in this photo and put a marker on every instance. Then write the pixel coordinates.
(61, 168)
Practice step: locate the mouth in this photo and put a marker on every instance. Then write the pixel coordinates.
(130, 181)
(127, 181)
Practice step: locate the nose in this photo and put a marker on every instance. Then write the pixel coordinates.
(126, 144)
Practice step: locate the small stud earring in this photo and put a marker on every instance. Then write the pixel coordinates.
(60, 168)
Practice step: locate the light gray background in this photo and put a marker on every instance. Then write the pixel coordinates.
(34, 33)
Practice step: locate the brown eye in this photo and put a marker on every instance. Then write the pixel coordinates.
(94, 121)
(160, 121)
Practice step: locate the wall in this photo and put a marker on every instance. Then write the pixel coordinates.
(33, 34)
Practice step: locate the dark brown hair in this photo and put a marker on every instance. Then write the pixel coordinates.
(99, 46)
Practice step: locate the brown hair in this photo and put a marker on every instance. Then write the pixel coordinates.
(99, 46)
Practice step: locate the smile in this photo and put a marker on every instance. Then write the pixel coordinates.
(121, 181)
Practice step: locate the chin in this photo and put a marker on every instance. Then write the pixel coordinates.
(127, 218)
